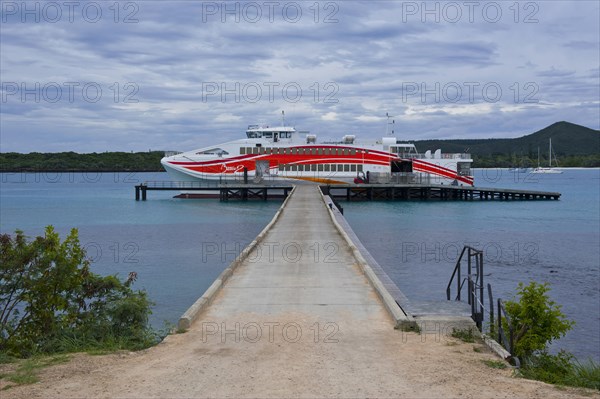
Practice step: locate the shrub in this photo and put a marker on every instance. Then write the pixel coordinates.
(49, 296)
(536, 319)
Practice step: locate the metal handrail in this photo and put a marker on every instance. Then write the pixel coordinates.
(474, 281)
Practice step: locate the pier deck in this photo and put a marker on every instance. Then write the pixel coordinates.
(302, 266)
(240, 191)
(224, 192)
(432, 192)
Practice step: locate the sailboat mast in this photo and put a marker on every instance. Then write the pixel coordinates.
(550, 155)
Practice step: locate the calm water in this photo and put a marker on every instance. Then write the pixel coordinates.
(177, 247)
(546, 241)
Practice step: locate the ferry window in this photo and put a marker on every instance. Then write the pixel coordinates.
(242, 150)
(213, 151)
(300, 168)
(353, 152)
(340, 168)
(360, 168)
(262, 150)
(268, 135)
(281, 167)
(353, 168)
(313, 167)
(345, 151)
(255, 150)
(294, 168)
(346, 168)
(320, 151)
(320, 168)
(294, 151)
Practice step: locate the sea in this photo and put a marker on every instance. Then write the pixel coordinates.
(178, 247)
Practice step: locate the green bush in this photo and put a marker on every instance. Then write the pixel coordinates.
(49, 297)
(536, 319)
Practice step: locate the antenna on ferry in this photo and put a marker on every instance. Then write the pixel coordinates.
(283, 118)
(388, 124)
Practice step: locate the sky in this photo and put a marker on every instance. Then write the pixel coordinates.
(95, 76)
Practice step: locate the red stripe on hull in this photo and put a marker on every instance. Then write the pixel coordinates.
(440, 171)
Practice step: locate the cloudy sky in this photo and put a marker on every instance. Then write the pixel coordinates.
(139, 75)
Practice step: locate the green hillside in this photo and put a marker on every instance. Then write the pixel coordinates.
(574, 145)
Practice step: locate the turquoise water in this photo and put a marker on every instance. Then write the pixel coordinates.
(557, 242)
(177, 247)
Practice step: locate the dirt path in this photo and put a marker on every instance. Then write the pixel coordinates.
(364, 362)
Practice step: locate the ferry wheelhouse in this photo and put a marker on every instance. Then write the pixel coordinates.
(283, 154)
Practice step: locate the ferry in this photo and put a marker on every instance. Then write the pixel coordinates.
(283, 155)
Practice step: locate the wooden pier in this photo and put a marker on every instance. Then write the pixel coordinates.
(409, 192)
(350, 192)
(224, 192)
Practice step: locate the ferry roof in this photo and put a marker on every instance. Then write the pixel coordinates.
(257, 128)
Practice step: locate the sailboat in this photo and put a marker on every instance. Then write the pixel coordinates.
(549, 169)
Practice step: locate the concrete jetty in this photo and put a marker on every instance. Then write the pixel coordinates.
(300, 264)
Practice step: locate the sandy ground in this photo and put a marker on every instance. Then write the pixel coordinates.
(267, 357)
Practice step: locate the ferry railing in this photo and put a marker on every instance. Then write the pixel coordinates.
(474, 280)
(442, 156)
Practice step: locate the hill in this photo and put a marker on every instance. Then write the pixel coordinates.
(574, 145)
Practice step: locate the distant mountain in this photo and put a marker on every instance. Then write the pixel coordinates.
(568, 139)
(574, 146)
